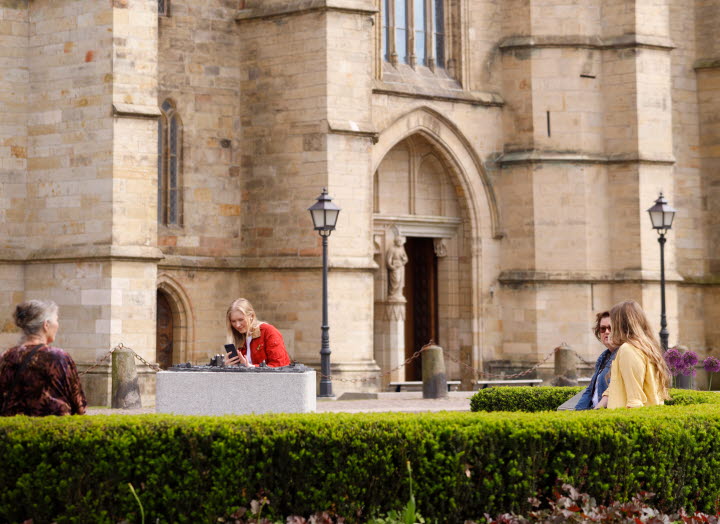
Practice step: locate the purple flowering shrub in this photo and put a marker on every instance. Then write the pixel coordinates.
(683, 363)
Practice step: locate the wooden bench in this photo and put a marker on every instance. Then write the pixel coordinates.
(417, 384)
(482, 384)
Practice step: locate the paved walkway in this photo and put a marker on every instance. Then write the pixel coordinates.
(409, 402)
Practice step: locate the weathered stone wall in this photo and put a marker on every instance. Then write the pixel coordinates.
(199, 69)
(14, 75)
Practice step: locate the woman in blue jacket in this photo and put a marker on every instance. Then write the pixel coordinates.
(593, 394)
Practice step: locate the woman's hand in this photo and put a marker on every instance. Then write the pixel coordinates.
(603, 403)
(240, 360)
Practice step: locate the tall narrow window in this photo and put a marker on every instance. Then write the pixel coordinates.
(401, 32)
(386, 29)
(420, 27)
(163, 7)
(169, 166)
(413, 32)
(438, 21)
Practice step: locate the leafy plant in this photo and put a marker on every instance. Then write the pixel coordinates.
(142, 510)
(408, 515)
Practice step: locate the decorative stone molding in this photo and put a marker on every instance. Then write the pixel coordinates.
(420, 226)
(440, 247)
(395, 310)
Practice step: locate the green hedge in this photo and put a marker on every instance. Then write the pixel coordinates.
(197, 469)
(533, 399)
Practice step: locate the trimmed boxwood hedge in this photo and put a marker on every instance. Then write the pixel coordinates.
(197, 469)
(532, 399)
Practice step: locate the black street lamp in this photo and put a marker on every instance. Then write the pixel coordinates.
(324, 216)
(661, 216)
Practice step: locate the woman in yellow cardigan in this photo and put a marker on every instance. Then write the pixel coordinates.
(639, 375)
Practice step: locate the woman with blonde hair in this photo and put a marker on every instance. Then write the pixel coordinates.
(639, 374)
(256, 342)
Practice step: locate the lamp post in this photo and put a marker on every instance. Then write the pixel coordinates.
(661, 216)
(324, 216)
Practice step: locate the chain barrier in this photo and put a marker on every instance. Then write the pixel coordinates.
(407, 361)
(102, 359)
(450, 357)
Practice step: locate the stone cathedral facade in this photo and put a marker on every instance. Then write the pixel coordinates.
(157, 159)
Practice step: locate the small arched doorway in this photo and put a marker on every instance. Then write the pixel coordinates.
(164, 332)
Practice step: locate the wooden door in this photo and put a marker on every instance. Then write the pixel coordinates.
(421, 319)
(164, 330)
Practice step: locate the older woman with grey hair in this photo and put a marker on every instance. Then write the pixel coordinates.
(36, 378)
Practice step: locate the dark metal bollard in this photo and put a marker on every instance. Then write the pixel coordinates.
(565, 366)
(125, 388)
(433, 373)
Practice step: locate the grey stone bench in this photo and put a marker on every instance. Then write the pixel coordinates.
(417, 384)
(482, 384)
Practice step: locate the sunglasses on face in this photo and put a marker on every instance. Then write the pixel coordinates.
(603, 329)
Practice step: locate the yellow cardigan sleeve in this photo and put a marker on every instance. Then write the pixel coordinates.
(632, 365)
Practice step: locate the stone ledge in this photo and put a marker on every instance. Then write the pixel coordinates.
(536, 156)
(361, 7)
(586, 42)
(707, 63)
(135, 111)
(350, 127)
(405, 90)
(249, 263)
(519, 277)
(73, 253)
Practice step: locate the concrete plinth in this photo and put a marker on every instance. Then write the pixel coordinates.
(232, 393)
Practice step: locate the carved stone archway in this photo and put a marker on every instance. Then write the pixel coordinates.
(183, 335)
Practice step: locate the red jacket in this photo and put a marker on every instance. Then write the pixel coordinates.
(269, 347)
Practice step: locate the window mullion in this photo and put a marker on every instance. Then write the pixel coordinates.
(430, 34)
(392, 49)
(410, 22)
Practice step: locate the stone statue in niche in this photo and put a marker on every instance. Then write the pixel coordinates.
(396, 258)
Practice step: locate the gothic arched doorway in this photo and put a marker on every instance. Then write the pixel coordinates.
(164, 332)
(418, 202)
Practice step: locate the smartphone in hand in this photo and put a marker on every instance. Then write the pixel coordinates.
(231, 351)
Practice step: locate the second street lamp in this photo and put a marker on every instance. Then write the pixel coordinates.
(661, 216)
(324, 216)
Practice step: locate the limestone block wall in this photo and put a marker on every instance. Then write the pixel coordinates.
(69, 190)
(284, 107)
(14, 79)
(199, 69)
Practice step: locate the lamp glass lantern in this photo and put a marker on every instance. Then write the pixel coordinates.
(324, 213)
(661, 215)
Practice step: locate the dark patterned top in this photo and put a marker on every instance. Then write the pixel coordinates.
(49, 384)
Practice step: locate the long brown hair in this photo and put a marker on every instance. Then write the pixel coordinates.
(630, 324)
(243, 306)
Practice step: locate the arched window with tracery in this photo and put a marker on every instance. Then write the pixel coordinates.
(169, 165)
(413, 32)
